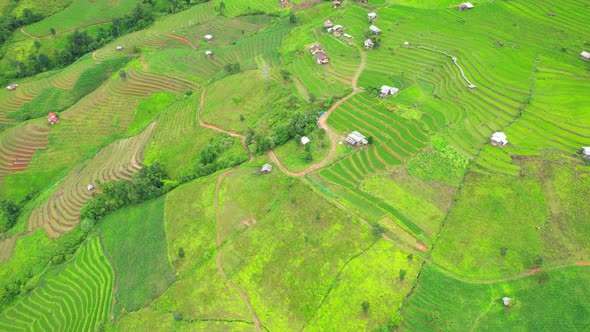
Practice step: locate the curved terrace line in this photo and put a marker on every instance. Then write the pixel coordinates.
(454, 58)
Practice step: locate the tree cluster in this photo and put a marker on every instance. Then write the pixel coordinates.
(10, 211)
(148, 183)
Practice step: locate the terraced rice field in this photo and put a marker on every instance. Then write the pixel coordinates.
(239, 7)
(75, 298)
(19, 144)
(61, 212)
(80, 14)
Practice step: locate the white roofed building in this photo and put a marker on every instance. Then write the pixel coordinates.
(305, 140)
(375, 29)
(499, 139)
(585, 55)
(586, 152)
(371, 16)
(356, 138)
(386, 90)
(465, 6)
(369, 44)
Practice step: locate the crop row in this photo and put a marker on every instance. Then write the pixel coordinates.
(18, 145)
(61, 212)
(77, 298)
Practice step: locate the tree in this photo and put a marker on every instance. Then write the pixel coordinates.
(292, 18)
(44, 61)
(52, 31)
(242, 118)
(365, 305)
(37, 44)
(222, 7)
(370, 140)
(180, 252)
(122, 74)
(232, 67)
(402, 275)
(286, 75)
(378, 230)
(9, 212)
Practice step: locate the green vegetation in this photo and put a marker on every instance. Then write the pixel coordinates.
(160, 147)
(76, 296)
(443, 303)
(139, 253)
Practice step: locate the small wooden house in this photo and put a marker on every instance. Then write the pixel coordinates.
(119, 48)
(321, 58)
(52, 118)
(585, 55)
(375, 30)
(465, 6)
(337, 30)
(371, 16)
(499, 139)
(305, 140)
(12, 87)
(386, 90)
(266, 168)
(328, 24)
(347, 35)
(586, 152)
(336, 3)
(506, 301)
(208, 37)
(355, 138)
(209, 54)
(369, 44)
(90, 187)
(316, 48)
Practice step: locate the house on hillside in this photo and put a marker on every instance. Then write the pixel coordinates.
(321, 58)
(305, 140)
(506, 301)
(328, 24)
(355, 138)
(316, 48)
(499, 139)
(465, 6)
(52, 118)
(119, 48)
(362, 1)
(209, 54)
(346, 35)
(12, 87)
(371, 16)
(208, 37)
(337, 30)
(585, 55)
(266, 168)
(369, 44)
(90, 187)
(375, 30)
(586, 152)
(336, 3)
(386, 90)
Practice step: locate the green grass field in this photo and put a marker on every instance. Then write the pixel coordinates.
(424, 229)
(139, 254)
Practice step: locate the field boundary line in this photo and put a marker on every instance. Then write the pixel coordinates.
(116, 273)
(454, 58)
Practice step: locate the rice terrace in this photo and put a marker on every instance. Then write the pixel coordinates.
(294, 165)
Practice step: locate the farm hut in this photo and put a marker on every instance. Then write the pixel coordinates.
(90, 187)
(12, 87)
(369, 44)
(465, 6)
(371, 16)
(321, 58)
(586, 152)
(406, 44)
(347, 35)
(266, 168)
(316, 48)
(52, 118)
(386, 90)
(506, 301)
(119, 48)
(336, 3)
(374, 29)
(362, 1)
(208, 38)
(498, 139)
(328, 24)
(585, 55)
(337, 30)
(305, 140)
(209, 54)
(355, 138)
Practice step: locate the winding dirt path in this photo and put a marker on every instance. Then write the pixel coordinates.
(323, 123)
(182, 40)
